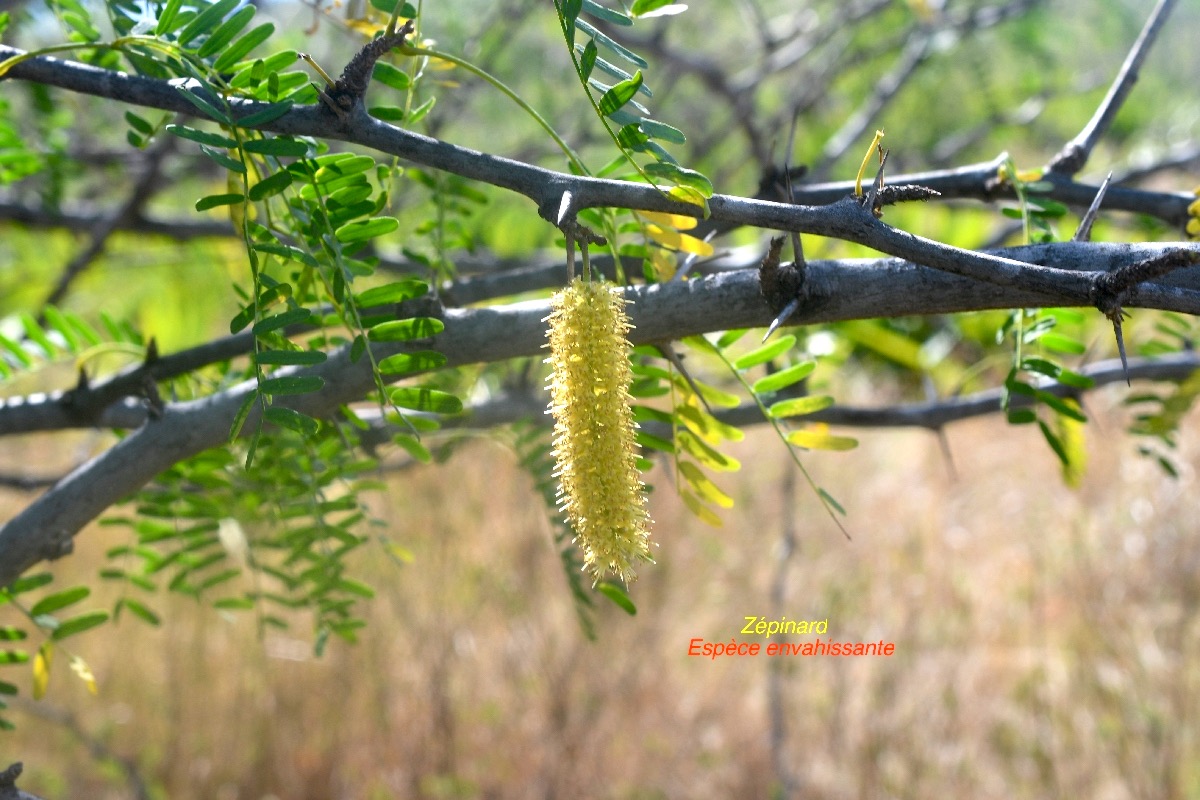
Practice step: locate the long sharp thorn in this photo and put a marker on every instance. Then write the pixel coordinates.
(1084, 232)
(564, 208)
(788, 310)
(1121, 346)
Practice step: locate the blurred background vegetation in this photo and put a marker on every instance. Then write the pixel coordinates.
(1044, 635)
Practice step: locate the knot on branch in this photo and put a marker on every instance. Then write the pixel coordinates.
(350, 88)
(1111, 290)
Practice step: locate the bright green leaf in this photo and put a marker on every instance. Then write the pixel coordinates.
(422, 399)
(403, 363)
(292, 420)
(404, 330)
(79, 624)
(783, 378)
(798, 406)
(53, 602)
(619, 95)
(271, 185)
(214, 200)
(765, 353)
(361, 230)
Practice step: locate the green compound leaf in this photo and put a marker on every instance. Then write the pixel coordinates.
(205, 107)
(784, 378)
(680, 176)
(79, 624)
(268, 114)
(228, 29)
(608, 15)
(420, 361)
(271, 185)
(361, 230)
(605, 41)
(392, 293)
(292, 316)
(166, 21)
(619, 95)
(587, 60)
(799, 406)
(242, 47)
(404, 330)
(765, 353)
(391, 76)
(215, 200)
(292, 420)
(27, 583)
(203, 137)
(421, 399)
(278, 146)
(615, 593)
(58, 600)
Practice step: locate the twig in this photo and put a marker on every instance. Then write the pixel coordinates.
(1075, 154)
(8, 784)
(347, 92)
(95, 746)
(886, 89)
(148, 182)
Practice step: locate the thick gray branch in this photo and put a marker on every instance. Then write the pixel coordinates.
(837, 291)
(546, 187)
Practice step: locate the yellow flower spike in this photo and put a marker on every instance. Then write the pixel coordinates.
(600, 489)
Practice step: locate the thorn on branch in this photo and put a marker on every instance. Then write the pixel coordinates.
(1111, 290)
(1084, 232)
(781, 288)
(348, 91)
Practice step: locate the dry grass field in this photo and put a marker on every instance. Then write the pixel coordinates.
(1046, 644)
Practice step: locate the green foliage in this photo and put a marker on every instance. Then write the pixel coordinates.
(271, 524)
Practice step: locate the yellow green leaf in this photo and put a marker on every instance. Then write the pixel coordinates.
(712, 395)
(677, 221)
(1071, 436)
(818, 438)
(41, 670)
(675, 240)
(698, 508)
(706, 426)
(798, 406)
(704, 486)
(686, 194)
(707, 455)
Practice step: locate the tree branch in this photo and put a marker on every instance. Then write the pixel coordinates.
(837, 291)
(115, 402)
(1076, 153)
(547, 187)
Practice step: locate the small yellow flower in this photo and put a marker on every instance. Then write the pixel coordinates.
(600, 489)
